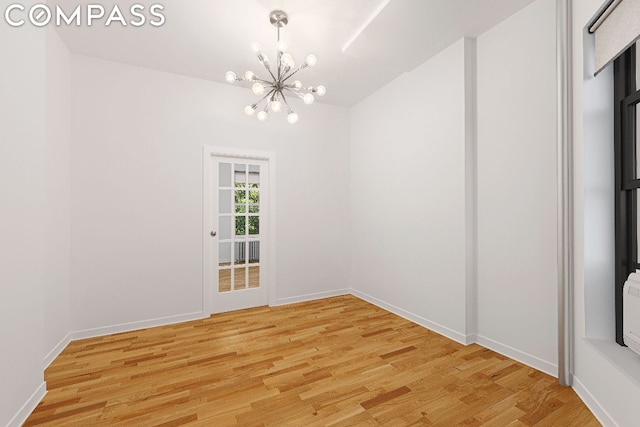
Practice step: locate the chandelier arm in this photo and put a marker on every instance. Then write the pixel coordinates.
(303, 66)
(259, 80)
(287, 77)
(296, 94)
(264, 64)
(269, 70)
(267, 95)
(299, 92)
(279, 58)
(284, 98)
(258, 103)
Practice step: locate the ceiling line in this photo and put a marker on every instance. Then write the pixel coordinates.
(365, 24)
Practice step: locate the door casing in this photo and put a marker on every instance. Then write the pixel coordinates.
(207, 193)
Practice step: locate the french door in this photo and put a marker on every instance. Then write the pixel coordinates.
(237, 237)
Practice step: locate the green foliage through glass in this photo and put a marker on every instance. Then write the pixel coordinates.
(247, 201)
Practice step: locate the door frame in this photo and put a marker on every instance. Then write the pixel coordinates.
(208, 152)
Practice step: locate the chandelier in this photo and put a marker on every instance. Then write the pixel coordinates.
(273, 89)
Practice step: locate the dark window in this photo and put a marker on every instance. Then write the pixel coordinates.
(627, 179)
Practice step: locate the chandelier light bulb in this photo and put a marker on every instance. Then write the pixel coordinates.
(257, 89)
(276, 106)
(272, 90)
(312, 60)
(230, 76)
(292, 118)
(308, 99)
(287, 60)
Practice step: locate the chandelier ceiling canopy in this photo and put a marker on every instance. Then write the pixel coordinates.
(274, 89)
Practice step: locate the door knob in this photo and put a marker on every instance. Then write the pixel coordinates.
(213, 233)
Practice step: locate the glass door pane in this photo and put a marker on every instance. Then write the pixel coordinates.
(239, 226)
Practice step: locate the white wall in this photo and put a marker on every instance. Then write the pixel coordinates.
(22, 218)
(57, 233)
(133, 174)
(517, 264)
(137, 191)
(606, 376)
(408, 194)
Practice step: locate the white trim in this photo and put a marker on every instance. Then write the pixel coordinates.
(55, 351)
(23, 413)
(433, 326)
(564, 175)
(310, 297)
(270, 260)
(515, 354)
(471, 185)
(503, 349)
(213, 150)
(520, 356)
(592, 403)
(134, 326)
(206, 219)
(271, 240)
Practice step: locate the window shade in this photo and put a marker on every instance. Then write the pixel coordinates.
(616, 28)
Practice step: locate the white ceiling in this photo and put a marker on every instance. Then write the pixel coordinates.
(205, 38)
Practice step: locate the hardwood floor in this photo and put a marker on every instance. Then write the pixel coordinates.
(338, 361)
(242, 276)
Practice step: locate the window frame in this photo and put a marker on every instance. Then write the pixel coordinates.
(627, 177)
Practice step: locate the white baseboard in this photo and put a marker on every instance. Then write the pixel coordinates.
(592, 403)
(520, 356)
(55, 351)
(116, 329)
(433, 326)
(498, 347)
(311, 297)
(21, 416)
(134, 326)
(508, 351)
(472, 339)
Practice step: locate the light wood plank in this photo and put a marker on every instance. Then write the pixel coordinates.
(338, 361)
